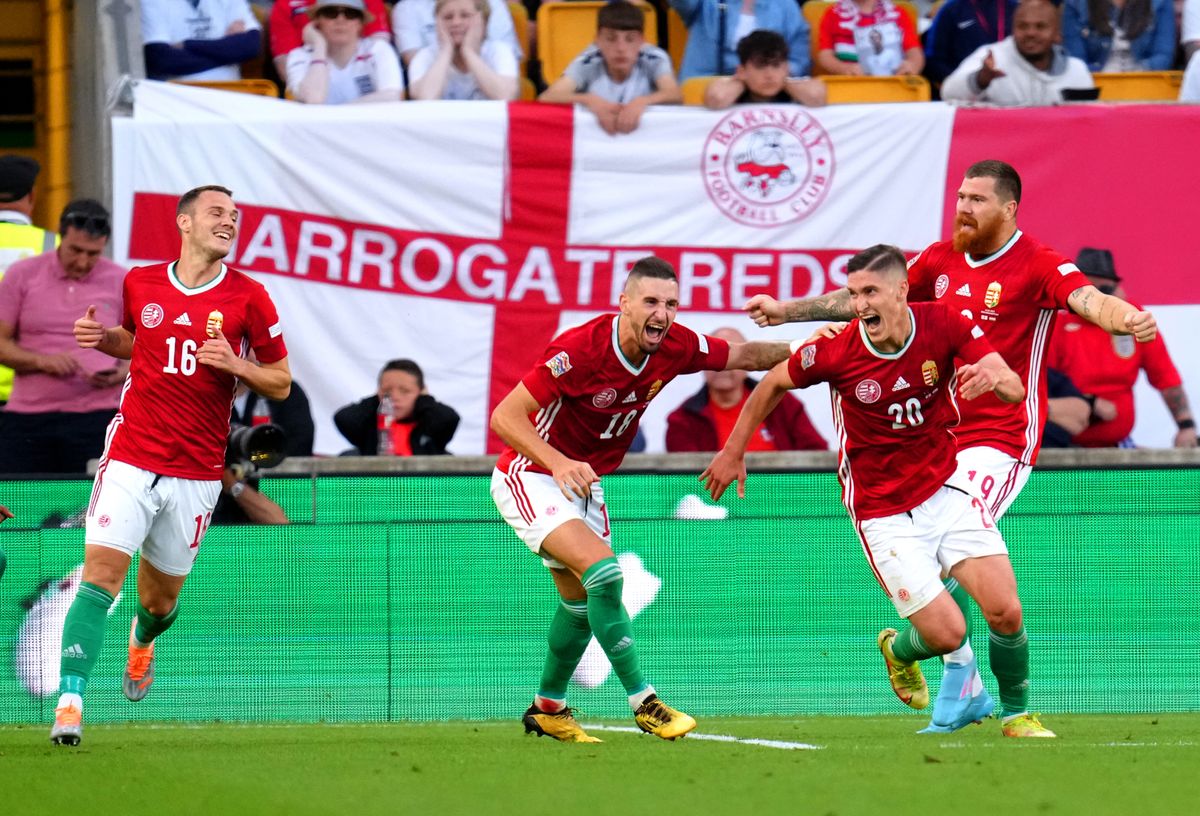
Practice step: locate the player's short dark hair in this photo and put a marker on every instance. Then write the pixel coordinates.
(87, 215)
(762, 47)
(408, 367)
(188, 199)
(878, 258)
(652, 267)
(621, 15)
(1008, 183)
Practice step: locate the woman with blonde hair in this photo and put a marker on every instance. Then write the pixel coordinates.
(464, 64)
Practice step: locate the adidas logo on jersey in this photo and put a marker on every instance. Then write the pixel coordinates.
(183, 320)
(631, 398)
(900, 384)
(964, 290)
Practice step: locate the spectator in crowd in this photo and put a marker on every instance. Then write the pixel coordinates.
(337, 64)
(1190, 90)
(762, 76)
(869, 38)
(704, 420)
(1026, 68)
(63, 396)
(1067, 410)
(463, 63)
(415, 27)
(19, 238)
(198, 39)
(289, 18)
(1189, 29)
(715, 28)
(618, 75)
(1114, 36)
(962, 26)
(1106, 367)
(419, 424)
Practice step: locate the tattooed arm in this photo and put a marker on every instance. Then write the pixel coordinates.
(757, 356)
(767, 311)
(1112, 314)
(1177, 404)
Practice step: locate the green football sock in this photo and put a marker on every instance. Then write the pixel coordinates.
(963, 600)
(610, 622)
(150, 626)
(568, 638)
(1009, 658)
(908, 646)
(83, 636)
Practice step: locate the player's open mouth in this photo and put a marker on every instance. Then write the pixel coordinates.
(872, 321)
(654, 333)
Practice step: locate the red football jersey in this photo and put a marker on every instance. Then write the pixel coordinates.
(1013, 295)
(1107, 366)
(893, 412)
(174, 412)
(592, 397)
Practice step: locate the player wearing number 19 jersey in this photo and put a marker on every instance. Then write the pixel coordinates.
(160, 475)
(570, 421)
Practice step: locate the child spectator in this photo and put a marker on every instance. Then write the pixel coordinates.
(337, 65)
(869, 38)
(463, 64)
(715, 27)
(762, 76)
(619, 74)
(289, 17)
(415, 26)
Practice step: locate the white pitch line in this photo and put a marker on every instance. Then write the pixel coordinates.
(765, 743)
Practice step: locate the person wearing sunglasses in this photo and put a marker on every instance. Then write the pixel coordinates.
(285, 29)
(63, 396)
(199, 40)
(337, 65)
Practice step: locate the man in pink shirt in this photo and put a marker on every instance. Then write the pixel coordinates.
(63, 396)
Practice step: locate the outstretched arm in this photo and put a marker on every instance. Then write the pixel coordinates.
(991, 373)
(1112, 314)
(511, 423)
(767, 311)
(729, 464)
(756, 356)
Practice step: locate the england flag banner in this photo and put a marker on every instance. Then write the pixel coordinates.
(464, 236)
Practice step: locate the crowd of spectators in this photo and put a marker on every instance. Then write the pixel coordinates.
(998, 52)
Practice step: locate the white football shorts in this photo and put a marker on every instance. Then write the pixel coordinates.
(996, 476)
(910, 552)
(534, 507)
(163, 516)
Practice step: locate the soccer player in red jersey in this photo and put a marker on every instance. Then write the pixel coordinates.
(892, 378)
(1012, 287)
(569, 422)
(186, 329)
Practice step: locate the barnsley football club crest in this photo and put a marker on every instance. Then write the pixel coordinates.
(152, 315)
(605, 398)
(868, 391)
(991, 298)
(941, 285)
(654, 390)
(559, 364)
(929, 372)
(767, 166)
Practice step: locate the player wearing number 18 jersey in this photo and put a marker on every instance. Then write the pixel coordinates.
(892, 377)
(568, 422)
(160, 475)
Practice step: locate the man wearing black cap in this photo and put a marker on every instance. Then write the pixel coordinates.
(1106, 367)
(19, 238)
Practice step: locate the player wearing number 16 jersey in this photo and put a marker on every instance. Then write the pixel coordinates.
(891, 373)
(160, 475)
(568, 422)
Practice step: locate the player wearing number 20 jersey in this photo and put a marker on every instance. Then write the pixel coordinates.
(167, 390)
(592, 397)
(893, 412)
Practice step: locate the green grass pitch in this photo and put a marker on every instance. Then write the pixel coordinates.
(1134, 765)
